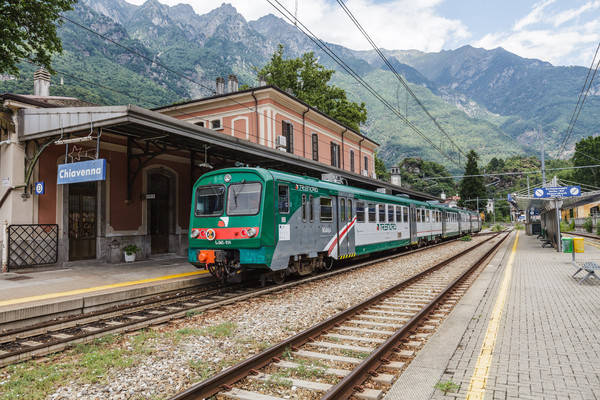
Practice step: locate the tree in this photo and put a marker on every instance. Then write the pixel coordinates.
(471, 187)
(28, 31)
(380, 169)
(587, 152)
(308, 81)
(414, 170)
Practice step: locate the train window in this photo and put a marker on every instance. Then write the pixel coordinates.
(382, 213)
(372, 213)
(283, 199)
(390, 209)
(311, 208)
(360, 211)
(210, 200)
(349, 209)
(418, 215)
(326, 209)
(303, 208)
(398, 213)
(405, 214)
(244, 198)
(427, 215)
(342, 210)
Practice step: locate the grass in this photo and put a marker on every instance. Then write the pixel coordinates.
(466, 238)
(220, 331)
(496, 228)
(203, 368)
(355, 354)
(447, 386)
(90, 363)
(278, 380)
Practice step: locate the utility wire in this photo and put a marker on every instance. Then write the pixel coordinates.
(391, 67)
(580, 100)
(290, 17)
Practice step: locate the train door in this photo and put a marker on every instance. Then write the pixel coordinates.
(345, 225)
(328, 223)
(413, 224)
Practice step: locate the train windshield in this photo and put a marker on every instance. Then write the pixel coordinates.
(244, 198)
(210, 200)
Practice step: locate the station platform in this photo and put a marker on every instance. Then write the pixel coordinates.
(525, 330)
(33, 296)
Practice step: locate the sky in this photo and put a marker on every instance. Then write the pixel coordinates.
(562, 32)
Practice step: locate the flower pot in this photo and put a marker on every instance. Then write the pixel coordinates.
(129, 257)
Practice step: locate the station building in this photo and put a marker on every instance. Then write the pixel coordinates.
(151, 160)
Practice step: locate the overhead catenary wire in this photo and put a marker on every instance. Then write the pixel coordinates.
(582, 96)
(153, 61)
(307, 32)
(402, 81)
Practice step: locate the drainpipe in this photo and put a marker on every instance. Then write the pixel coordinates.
(256, 116)
(304, 132)
(5, 246)
(360, 156)
(10, 189)
(343, 164)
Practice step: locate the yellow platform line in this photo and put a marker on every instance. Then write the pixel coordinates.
(484, 361)
(96, 288)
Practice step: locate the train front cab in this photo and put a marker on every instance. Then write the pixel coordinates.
(227, 223)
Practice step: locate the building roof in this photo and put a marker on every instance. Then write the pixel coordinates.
(46, 101)
(254, 90)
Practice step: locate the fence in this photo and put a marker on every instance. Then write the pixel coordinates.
(32, 244)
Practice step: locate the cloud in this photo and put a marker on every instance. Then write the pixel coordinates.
(560, 36)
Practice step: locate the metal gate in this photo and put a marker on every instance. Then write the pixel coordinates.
(32, 244)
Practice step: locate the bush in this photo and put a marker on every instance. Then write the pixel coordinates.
(497, 228)
(598, 229)
(519, 226)
(466, 238)
(565, 227)
(588, 225)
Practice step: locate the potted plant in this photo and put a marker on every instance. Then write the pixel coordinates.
(130, 251)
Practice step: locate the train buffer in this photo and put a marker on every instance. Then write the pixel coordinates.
(588, 266)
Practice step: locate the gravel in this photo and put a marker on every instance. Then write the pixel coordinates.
(189, 350)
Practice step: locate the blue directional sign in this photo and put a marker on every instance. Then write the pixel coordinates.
(84, 171)
(40, 188)
(561, 191)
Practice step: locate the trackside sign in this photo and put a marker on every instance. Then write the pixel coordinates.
(84, 171)
(561, 191)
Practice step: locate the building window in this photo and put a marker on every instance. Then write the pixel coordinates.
(335, 154)
(199, 123)
(351, 160)
(287, 130)
(315, 147)
(215, 124)
(366, 165)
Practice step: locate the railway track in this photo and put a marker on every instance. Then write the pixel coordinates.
(585, 235)
(18, 345)
(359, 352)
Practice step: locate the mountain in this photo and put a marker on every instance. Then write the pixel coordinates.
(489, 100)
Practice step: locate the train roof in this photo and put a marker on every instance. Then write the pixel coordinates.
(268, 174)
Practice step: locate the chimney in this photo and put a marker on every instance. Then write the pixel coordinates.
(220, 85)
(232, 84)
(395, 178)
(41, 83)
(289, 91)
(262, 81)
(443, 195)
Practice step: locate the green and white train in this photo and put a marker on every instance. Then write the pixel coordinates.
(247, 221)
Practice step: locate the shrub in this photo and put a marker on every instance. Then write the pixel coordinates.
(588, 225)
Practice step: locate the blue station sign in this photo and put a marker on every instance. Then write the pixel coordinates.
(84, 171)
(561, 191)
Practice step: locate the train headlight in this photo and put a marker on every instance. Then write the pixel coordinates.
(227, 178)
(210, 234)
(251, 232)
(195, 233)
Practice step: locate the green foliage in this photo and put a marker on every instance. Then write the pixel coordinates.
(309, 83)
(414, 171)
(28, 31)
(588, 225)
(519, 226)
(447, 386)
(565, 227)
(222, 330)
(587, 152)
(130, 249)
(380, 169)
(33, 381)
(466, 238)
(598, 229)
(497, 228)
(471, 187)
